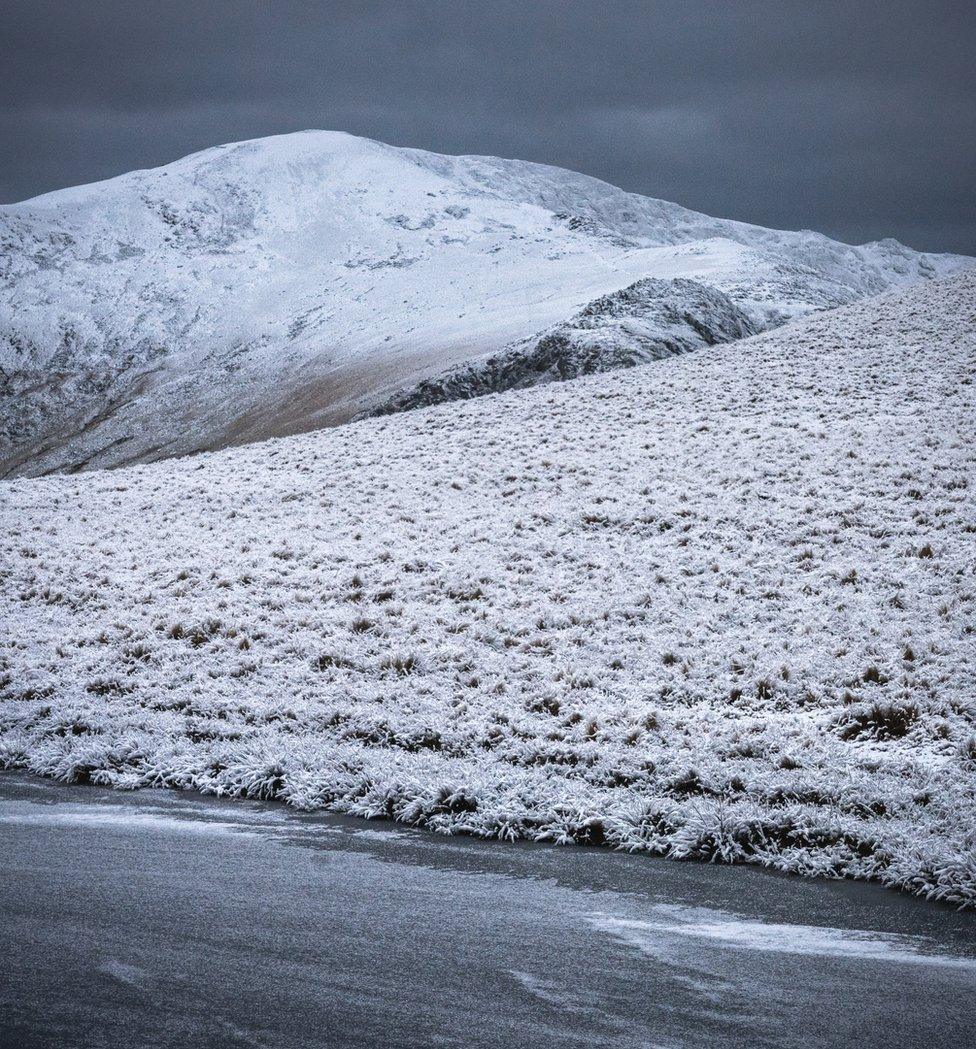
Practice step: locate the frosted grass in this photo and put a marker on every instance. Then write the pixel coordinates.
(720, 608)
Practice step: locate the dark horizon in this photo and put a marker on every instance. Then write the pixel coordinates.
(858, 123)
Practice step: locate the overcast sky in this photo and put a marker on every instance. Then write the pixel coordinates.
(855, 118)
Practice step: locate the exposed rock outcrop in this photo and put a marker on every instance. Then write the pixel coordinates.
(646, 321)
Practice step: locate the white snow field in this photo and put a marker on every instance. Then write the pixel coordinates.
(283, 284)
(721, 606)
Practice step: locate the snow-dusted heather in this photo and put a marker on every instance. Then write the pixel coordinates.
(721, 606)
(282, 284)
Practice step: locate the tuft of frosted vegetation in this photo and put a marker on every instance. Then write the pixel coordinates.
(720, 607)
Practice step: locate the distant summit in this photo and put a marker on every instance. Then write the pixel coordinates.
(283, 284)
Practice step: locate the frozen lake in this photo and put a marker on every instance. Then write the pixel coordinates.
(169, 920)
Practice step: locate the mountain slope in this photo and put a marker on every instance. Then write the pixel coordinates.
(719, 606)
(645, 322)
(281, 284)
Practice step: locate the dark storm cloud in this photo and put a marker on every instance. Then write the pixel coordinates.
(855, 118)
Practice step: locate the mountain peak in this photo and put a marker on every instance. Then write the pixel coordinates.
(279, 284)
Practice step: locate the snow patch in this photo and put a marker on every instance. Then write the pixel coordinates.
(734, 932)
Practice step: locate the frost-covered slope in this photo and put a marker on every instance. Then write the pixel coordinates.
(720, 605)
(277, 285)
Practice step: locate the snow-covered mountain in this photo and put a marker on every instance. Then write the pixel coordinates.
(282, 284)
(720, 606)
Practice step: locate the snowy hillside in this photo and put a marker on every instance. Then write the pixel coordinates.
(282, 284)
(718, 606)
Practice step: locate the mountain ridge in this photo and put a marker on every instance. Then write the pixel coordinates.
(278, 285)
(646, 321)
